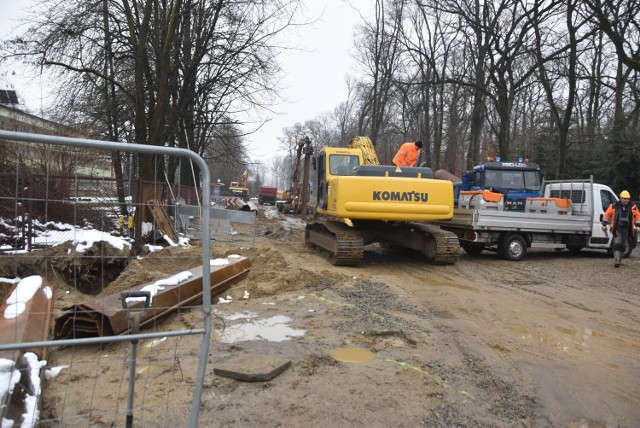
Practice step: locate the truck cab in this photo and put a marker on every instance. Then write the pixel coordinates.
(517, 181)
(590, 201)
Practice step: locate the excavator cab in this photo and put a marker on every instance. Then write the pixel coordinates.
(343, 164)
(334, 163)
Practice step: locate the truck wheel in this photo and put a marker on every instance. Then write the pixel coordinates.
(472, 249)
(513, 248)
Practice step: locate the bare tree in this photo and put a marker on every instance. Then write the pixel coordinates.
(565, 74)
(183, 66)
(618, 19)
(379, 48)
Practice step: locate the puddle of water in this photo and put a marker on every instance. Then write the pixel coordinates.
(353, 355)
(438, 283)
(568, 331)
(153, 367)
(538, 336)
(572, 336)
(273, 329)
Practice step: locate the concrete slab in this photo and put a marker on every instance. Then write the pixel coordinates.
(253, 368)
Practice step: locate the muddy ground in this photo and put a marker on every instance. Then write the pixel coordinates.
(553, 340)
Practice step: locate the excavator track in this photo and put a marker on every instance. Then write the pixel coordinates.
(447, 247)
(341, 244)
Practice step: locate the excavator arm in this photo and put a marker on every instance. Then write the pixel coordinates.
(296, 169)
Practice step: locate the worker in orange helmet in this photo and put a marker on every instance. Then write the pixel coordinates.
(621, 217)
(408, 154)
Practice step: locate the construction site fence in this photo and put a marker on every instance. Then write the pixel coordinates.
(229, 226)
(60, 226)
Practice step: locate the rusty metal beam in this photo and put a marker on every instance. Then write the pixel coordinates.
(26, 319)
(105, 316)
(33, 324)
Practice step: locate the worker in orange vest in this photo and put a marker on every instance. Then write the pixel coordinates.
(295, 205)
(408, 154)
(621, 217)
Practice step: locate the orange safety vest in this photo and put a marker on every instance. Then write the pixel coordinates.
(611, 213)
(407, 155)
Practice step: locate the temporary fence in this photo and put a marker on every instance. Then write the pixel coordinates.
(101, 327)
(229, 226)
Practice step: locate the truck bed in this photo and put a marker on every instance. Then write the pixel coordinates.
(490, 220)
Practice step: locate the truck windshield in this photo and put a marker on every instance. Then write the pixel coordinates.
(514, 180)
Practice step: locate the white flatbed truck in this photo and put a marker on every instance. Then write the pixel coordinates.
(568, 215)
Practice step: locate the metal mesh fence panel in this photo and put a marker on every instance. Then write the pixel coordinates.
(105, 284)
(228, 226)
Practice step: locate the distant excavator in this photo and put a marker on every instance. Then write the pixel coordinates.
(361, 203)
(297, 193)
(239, 189)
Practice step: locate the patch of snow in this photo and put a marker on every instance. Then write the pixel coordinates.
(182, 241)
(25, 290)
(14, 310)
(292, 223)
(157, 286)
(30, 416)
(271, 213)
(175, 279)
(155, 342)
(86, 238)
(146, 228)
(10, 376)
(53, 372)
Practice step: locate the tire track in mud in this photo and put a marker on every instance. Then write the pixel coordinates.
(537, 332)
(493, 383)
(528, 329)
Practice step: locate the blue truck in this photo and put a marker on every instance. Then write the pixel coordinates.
(516, 180)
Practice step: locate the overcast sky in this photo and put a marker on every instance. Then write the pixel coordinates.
(314, 80)
(315, 77)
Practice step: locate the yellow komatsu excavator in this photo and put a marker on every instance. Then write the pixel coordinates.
(239, 188)
(363, 203)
